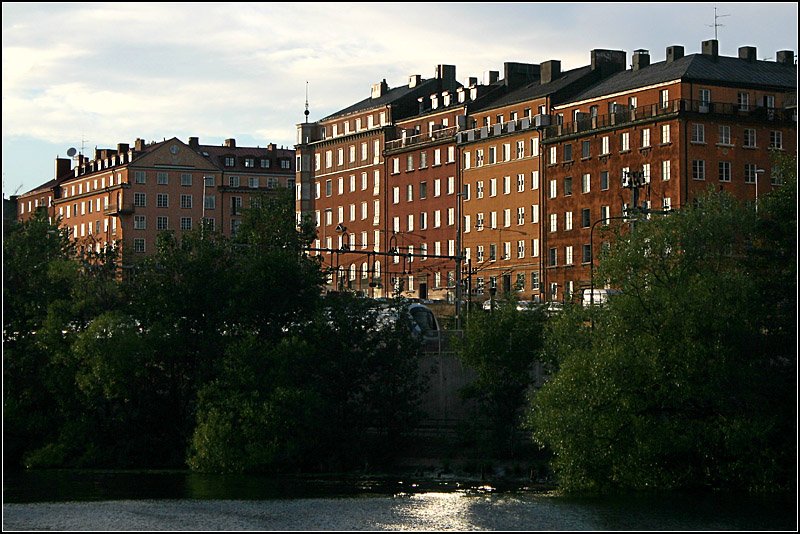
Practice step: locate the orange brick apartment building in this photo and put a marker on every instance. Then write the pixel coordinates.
(500, 184)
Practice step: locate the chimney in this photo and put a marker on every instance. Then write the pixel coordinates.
(490, 76)
(122, 148)
(194, 142)
(379, 89)
(414, 80)
(62, 167)
(446, 72)
(748, 53)
(785, 57)
(609, 61)
(674, 53)
(421, 101)
(641, 59)
(139, 145)
(711, 48)
(549, 71)
(517, 74)
(271, 147)
(472, 81)
(230, 143)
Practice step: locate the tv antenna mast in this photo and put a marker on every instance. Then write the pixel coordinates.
(716, 24)
(306, 111)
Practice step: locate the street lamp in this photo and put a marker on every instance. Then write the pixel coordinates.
(757, 171)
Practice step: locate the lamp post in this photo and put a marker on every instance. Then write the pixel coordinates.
(757, 171)
(591, 259)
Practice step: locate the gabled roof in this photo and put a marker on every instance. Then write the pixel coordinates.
(502, 96)
(699, 68)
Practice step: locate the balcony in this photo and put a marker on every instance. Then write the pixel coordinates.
(422, 139)
(118, 209)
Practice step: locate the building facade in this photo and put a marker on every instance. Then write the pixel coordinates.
(126, 196)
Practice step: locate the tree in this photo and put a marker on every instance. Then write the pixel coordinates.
(502, 346)
(687, 378)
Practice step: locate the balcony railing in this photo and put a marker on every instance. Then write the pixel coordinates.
(422, 138)
(624, 115)
(118, 209)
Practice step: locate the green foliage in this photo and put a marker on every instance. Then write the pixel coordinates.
(686, 378)
(502, 347)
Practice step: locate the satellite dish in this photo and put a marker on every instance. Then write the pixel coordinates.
(71, 152)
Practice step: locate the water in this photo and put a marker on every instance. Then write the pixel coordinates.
(87, 500)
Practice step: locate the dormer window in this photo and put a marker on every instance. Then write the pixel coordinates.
(264, 163)
(249, 162)
(230, 161)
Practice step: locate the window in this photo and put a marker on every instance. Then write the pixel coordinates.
(568, 152)
(162, 178)
(698, 133)
(553, 155)
(437, 187)
(186, 223)
(586, 183)
(451, 216)
(139, 200)
(520, 183)
(625, 142)
(534, 281)
(749, 138)
(140, 177)
(535, 147)
(724, 135)
(520, 149)
(492, 154)
(743, 99)
(521, 215)
(568, 220)
(553, 257)
(479, 189)
(605, 212)
(210, 202)
(586, 256)
(665, 138)
(586, 217)
(535, 213)
(507, 152)
(698, 169)
(162, 222)
(534, 180)
(230, 161)
(138, 244)
(492, 252)
(423, 190)
(535, 248)
(604, 146)
(479, 253)
(776, 139)
(520, 283)
(553, 222)
(479, 157)
(603, 180)
(568, 186)
(665, 170)
(395, 195)
(724, 171)
(749, 173)
(586, 149)
(252, 181)
(705, 96)
(328, 159)
(646, 173)
(666, 204)
(506, 185)
(139, 222)
(506, 217)
(249, 162)
(162, 200)
(646, 138)
(552, 189)
(410, 162)
(186, 201)
(339, 157)
(479, 221)
(233, 181)
(493, 187)
(663, 98)
(568, 255)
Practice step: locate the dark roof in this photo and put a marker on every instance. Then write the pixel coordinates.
(216, 154)
(502, 96)
(41, 188)
(699, 68)
(403, 96)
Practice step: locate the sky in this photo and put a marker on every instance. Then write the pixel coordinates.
(87, 75)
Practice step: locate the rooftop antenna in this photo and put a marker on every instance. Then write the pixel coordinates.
(716, 24)
(306, 111)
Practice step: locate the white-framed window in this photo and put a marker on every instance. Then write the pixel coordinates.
(535, 147)
(663, 98)
(521, 183)
(776, 139)
(535, 213)
(749, 138)
(409, 192)
(520, 251)
(162, 200)
(410, 222)
(646, 172)
(553, 188)
(437, 218)
(479, 157)
(749, 173)
(210, 202)
(493, 187)
(162, 178)
(534, 180)
(140, 200)
(535, 247)
(625, 142)
(698, 169)
(233, 181)
(743, 99)
(553, 222)
(704, 96)
(395, 195)
(479, 189)
(139, 222)
(698, 133)
(645, 137)
(724, 171)
(437, 187)
(138, 244)
(507, 217)
(724, 133)
(506, 185)
(186, 223)
(568, 255)
(140, 177)
(162, 222)
(451, 216)
(586, 183)
(252, 182)
(520, 149)
(567, 221)
(423, 220)
(604, 146)
(521, 215)
(665, 134)
(186, 179)
(553, 155)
